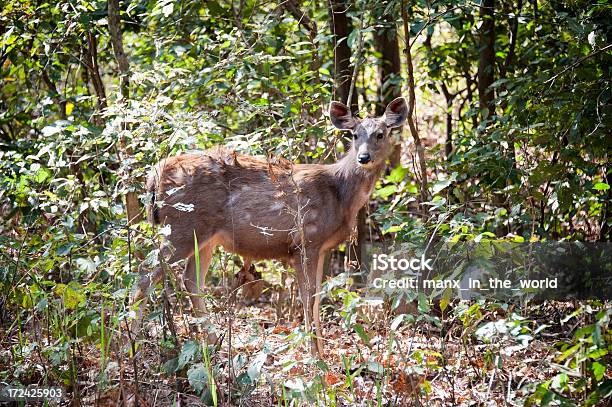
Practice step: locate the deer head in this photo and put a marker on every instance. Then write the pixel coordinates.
(371, 141)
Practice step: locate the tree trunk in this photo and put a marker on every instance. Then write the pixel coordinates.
(91, 55)
(341, 28)
(449, 97)
(385, 41)
(512, 39)
(448, 144)
(411, 111)
(114, 26)
(486, 62)
(605, 232)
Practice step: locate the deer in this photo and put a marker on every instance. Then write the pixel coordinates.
(268, 209)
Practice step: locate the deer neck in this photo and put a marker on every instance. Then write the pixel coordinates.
(355, 183)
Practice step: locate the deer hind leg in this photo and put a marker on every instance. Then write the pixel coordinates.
(306, 274)
(316, 307)
(280, 316)
(194, 282)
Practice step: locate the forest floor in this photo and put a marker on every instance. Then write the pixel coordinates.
(417, 363)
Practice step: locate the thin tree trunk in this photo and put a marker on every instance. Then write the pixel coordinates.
(448, 144)
(91, 54)
(469, 80)
(512, 39)
(114, 26)
(411, 111)
(486, 62)
(341, 28)
(507, 65)
(605, 233)
(385, 41)
(449, 97)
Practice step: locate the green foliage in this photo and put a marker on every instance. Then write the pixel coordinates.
(252, 76)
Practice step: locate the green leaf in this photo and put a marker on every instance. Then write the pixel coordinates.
(50, 130)
(423, 303)
(170, 366)
(254, 369)
(440, 185)
(598, 370)
(322, 365)
(198, 377)
(362, 334)
(375, 367)
(397, 175)
(412, 188)
(397, 321)
(569, 352)
(352, 37)
(393, 229)
(189, 351)
(168, 9)
(601, 186)
(597, 353)
(72, 294)
(386, 191)
(605, 388)
(445, 300)
(547, 398)
(215, 8)
(64, 249)
(42, 175)
(196, 257)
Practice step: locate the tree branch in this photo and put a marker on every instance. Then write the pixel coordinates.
(578, 62)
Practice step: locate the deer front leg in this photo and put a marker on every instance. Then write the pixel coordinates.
(146, 281)
(306, 273)
(140, 294)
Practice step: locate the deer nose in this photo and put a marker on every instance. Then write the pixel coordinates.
(364, 158)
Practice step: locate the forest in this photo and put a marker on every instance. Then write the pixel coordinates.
(499, 167)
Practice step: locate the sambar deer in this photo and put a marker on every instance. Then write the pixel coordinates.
(270, 209)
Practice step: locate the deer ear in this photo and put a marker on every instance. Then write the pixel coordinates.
(396, 112)
(341, 116)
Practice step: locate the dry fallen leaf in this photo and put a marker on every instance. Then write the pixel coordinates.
(281, 329)
(406, 383)
(332, 378)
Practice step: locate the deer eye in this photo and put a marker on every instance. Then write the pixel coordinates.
(380, 135)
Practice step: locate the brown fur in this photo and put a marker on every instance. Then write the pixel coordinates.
(269, 209)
